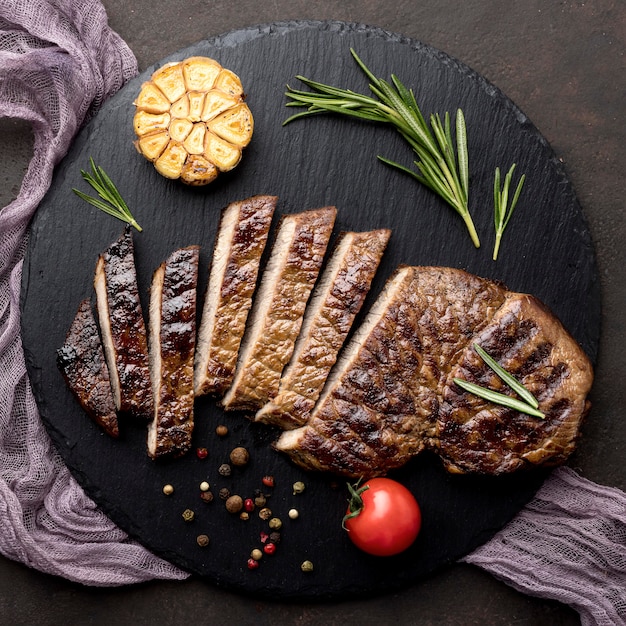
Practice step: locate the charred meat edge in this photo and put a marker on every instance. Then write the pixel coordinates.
(336, 301)
(239, 245)
(276, 317)
(172, 344)
(81, 360)
(122, 328)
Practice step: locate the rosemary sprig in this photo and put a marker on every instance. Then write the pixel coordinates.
(498, 398)
(442, 163)
(111, 201)
(500, 200)
(511, 381)
(528, 404)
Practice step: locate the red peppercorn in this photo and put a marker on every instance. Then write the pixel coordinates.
(269, 548)
(248, 505)
(202, 453)
(264, 537)
(252, 564)
(268, 481)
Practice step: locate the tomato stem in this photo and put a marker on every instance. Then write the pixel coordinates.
(355, 502)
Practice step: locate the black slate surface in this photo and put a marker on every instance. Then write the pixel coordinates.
(546, 251)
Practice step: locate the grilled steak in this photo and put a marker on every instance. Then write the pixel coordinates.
(329, 316)
(530, 343)
(172, 344)
(391, 394)
(81, 360)
(122, 327)
(240, 242)
(276, 317)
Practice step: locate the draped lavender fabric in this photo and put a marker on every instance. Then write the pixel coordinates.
(568, 544)
(58, 62)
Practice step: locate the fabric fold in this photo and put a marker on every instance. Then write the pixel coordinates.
(569, 545)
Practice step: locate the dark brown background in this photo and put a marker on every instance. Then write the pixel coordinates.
(563, 64)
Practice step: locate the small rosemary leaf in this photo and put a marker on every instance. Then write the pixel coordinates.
(497, 207)
(103, 206)
(112, 190)
(510, 380)
(462, 153)
(363, 67)
(498, 398)
(518, 190)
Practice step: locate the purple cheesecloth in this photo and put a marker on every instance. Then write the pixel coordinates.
(59, 61)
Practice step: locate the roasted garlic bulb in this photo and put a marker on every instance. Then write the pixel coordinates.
(191, 120)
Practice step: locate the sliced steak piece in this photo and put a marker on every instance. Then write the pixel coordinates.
(532, 345)
(391, 394)
(381, 401)
(239, 245)
(122, 327)
(172, 344)
(328, 319)
(81, 360)
(276, 316)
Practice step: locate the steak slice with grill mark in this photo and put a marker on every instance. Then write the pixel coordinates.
(172, 345)
(81, 360)
(122, 327)
(239, 245)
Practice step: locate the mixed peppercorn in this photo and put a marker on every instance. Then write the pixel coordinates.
(242, 507)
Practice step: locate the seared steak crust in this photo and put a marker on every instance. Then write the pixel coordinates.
(172, 344)
(240, 242)
(81, 360)
(123, 327)
(329, 316)
(530, 343)
(392, 395)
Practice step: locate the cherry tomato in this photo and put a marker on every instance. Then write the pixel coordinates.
(383, 517)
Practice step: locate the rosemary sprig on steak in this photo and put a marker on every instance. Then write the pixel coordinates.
(528, 404)
(442, 163)
(511, 381)
(111, 202)
(502, 215)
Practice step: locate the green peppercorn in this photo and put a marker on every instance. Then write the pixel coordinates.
(275, 523)
(256, 554)
(260, 501)
(168, 490)
(306, 566)
(188, 515)
(298, 487)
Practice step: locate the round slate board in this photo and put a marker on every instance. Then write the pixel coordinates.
(546, 251)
